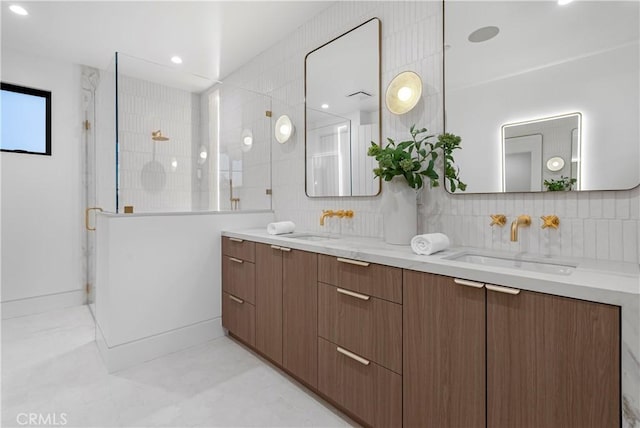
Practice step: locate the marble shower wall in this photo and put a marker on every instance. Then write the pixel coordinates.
(603, 225)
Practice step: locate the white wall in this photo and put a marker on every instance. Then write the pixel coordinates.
(42, 202)
(602, 225)
(159, 273)
(148, 180)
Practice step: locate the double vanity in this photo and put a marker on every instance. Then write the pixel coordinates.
(460, 338)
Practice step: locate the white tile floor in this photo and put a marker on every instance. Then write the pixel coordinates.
(51, 365)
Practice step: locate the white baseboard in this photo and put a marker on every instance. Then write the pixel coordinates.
(130, 354)
(39, 304)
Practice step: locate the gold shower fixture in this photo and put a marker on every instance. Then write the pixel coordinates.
(157, 136)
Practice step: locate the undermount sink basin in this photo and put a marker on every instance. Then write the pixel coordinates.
(515, 262)
(307, 236)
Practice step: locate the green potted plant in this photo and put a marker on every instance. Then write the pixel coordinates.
(559, 185)
(415, 159)
(406, 166)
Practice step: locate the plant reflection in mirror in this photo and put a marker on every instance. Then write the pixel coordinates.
(415, 159)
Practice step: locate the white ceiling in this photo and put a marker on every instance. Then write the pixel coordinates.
(214, 38)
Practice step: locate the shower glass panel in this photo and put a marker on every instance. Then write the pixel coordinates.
(99, 94)
(244, 135)
(159, 135)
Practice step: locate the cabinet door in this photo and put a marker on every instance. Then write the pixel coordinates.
(238, 316)
(269, 301)
(552, 362)
(443, 352)
(300, 315)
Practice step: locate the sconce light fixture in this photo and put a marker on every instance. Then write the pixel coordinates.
(202, 155)
(247, 140)
(284, 129)
(404, 92)
(555, 163)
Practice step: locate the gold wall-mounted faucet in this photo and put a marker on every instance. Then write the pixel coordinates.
(325, 214)
(551, 221)
(498, 220)
(332, 213)
(522, 221)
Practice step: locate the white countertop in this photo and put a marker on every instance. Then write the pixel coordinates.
(599, 281)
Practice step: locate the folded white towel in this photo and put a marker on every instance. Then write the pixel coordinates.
(280, 227)
(429, 243)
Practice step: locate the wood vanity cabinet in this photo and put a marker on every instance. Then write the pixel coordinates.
(550, 361)
(238, 288)
(269, 301)
(443, 352)
(286, 309)
(395, 347)
(360, 338)
(300, 315)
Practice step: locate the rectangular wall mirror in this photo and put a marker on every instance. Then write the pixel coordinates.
(541, 100)
(342, 113)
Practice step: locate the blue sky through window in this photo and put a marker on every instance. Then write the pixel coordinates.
(24, 122)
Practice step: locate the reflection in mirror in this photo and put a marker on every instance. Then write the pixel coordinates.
(342, 113)
(538, 150)
(525, 73)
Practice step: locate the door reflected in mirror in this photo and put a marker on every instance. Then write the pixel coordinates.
(342, 113)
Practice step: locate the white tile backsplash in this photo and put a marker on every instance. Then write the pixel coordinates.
(590, 222)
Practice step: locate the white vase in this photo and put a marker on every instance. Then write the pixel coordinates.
(399, 211)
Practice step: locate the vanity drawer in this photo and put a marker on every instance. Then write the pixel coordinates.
(239, 278)
(369, 391)
(371, 279)
(366, 325)
(239, 317)
(239, 248)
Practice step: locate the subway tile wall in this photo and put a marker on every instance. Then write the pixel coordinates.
(156, 176)
(602, 225)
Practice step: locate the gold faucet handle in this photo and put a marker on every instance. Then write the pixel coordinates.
(550, 221)
(524, 220)
(498, 220)
(348, 213)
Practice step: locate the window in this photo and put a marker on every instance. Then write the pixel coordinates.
(26, 120)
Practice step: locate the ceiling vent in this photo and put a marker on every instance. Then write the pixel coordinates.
(360, 93)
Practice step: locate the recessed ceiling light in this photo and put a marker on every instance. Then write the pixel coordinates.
(18, 10)
(325, 106)
(483, 34)
(564, 2)
(176, 60)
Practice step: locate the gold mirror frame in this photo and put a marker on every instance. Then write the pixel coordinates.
(380, 107)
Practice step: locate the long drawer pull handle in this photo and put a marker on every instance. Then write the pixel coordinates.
(275, 247)
(233, 259)
(236, 240)
(468, 283)
(353, 294)
(235, 299)
(353, 262)
(285, 249)
(353, 356)
(500, 289)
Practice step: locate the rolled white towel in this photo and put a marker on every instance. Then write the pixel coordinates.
(281, 227)
(429, 243)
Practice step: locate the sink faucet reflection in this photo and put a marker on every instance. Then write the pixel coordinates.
(521, 221)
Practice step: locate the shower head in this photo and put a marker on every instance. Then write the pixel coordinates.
(157, 136)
